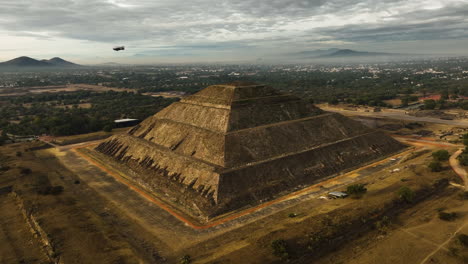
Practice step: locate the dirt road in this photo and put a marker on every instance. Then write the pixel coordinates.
(459, 170)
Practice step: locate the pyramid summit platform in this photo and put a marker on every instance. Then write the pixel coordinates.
(235, 145)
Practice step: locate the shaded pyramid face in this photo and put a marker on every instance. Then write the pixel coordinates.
(229, 146)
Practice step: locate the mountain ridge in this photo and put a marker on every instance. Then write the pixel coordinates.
(24, 62)
(338, 53)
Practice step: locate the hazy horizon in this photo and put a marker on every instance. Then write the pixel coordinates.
(217, 31)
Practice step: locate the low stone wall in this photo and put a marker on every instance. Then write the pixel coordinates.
(36, 229)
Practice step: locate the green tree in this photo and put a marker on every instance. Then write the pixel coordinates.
(463, 158)
(356, 190)
(406, 194)
(405, 101)
(279, 247)
(429, 104)
(185, 260)
(444, 95)
(435, 166)
(441, 155)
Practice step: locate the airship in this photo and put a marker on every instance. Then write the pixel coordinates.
(119, 48)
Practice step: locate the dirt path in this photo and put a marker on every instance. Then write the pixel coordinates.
(442, 245)
(459, 170)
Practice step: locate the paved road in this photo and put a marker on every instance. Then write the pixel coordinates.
(399, 115)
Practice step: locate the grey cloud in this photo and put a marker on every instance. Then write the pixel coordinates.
(203, 24)
(446, 23)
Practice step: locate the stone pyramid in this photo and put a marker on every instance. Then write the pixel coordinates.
(230, 146)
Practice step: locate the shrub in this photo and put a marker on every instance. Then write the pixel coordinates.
(464, 196)
(463, 158)
(435, 166)
(463, 239)
(54, 190)
(356, 190)
(429, 104)
(441, 155)
(383, 224)
(447, 216)
(25, 171)
(185, 260)
(279, 247)
(4, 168)
(107, 128)
(406, 194)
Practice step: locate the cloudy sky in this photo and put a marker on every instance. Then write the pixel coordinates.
(220, 30)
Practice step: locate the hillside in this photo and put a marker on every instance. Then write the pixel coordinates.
(60, 62)
(26, 62)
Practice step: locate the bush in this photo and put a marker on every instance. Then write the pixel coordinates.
(25, 171)
(406, 194)
(435, 166)
(356, 190)
(441, 155)
(107, 128)
(464, 195)
(53, 190)
(447, 216)
(463, 239)
(463, 158)
(185, 260)
(429, 104)
(280, 248)
(383, 224)
(56, 190)
(4, 168)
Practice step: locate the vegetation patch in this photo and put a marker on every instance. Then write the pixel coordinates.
(441, 155)
(280, 248)
(406, 194)
(447, 216)
(356, 190)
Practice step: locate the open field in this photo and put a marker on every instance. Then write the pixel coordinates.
(395, 114)
(17, 91)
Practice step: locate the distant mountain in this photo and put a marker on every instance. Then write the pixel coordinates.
(316, 53)
(109, 64)
(25, 62)
(339, 53)
(60, 62)
(353, 53)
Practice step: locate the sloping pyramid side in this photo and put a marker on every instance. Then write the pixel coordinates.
(228, 146)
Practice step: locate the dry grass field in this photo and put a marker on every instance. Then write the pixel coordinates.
(17, 91)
